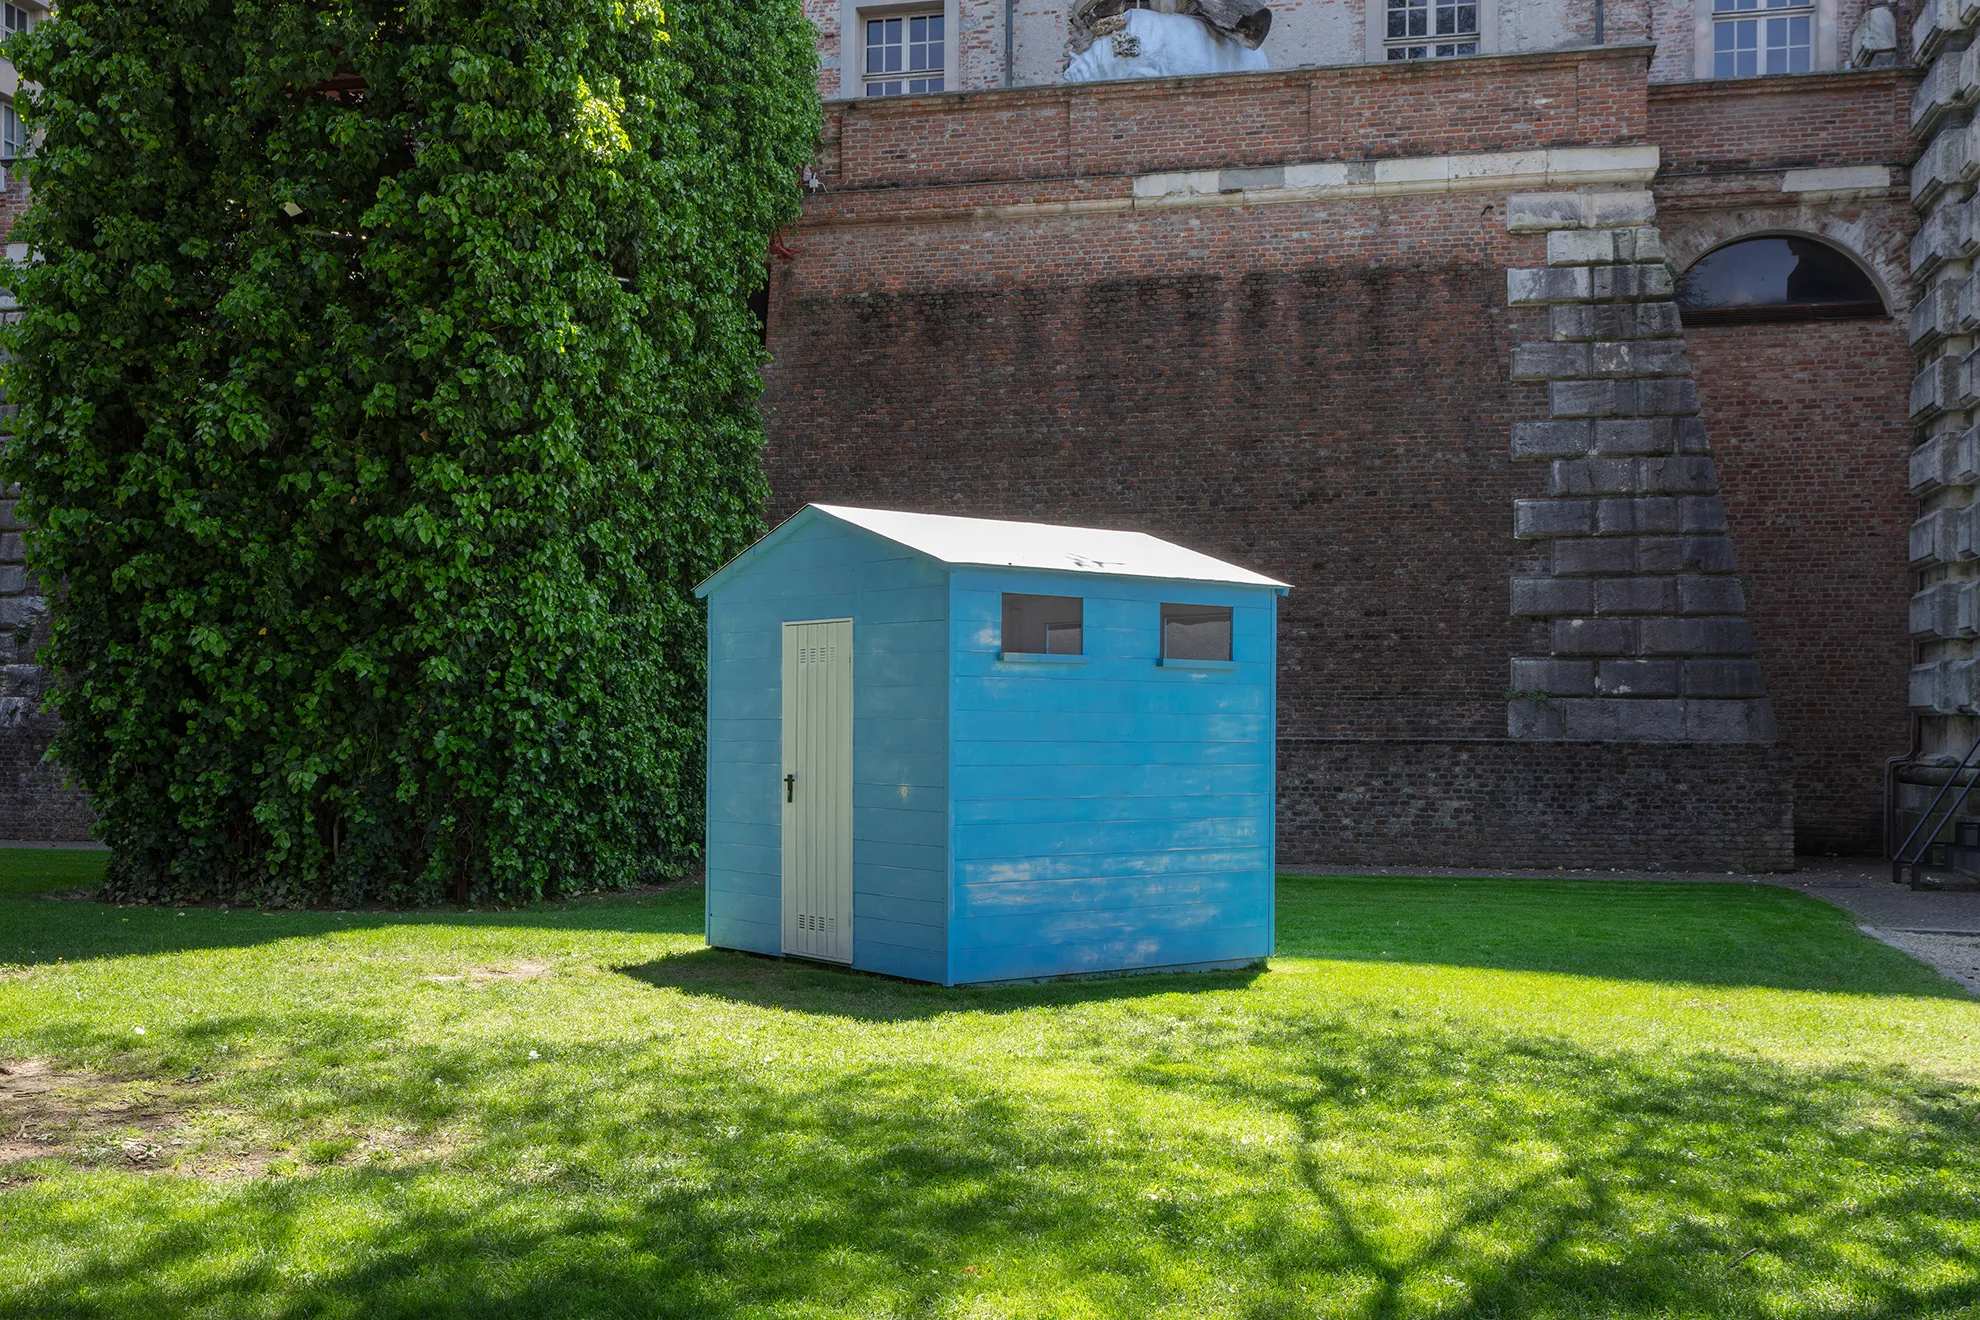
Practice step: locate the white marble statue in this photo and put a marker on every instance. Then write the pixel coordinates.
(1222, 37)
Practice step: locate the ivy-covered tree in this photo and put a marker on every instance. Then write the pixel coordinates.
(386, 381)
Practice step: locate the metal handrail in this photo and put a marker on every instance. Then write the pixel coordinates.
(1897, 859)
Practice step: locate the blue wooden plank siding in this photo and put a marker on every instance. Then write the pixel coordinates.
(898, 602)
(1116, 812)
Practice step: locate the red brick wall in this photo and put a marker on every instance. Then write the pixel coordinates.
(1319, 392)
(1353, 112)
(1784, 123)
(1809, 426)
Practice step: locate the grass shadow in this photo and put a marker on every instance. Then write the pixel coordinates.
(798, 986)
(1428, 1171)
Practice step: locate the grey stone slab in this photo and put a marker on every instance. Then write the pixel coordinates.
(1690, 435)
(1591, 398)
(1596, 555)
(1532, 440)
(1667, 396)
(1644, 243)
(1593, 476)
(1696, 636)
(1545, 597)
(1555, 678)
(1723, 678)
(1677, 476)
(1702, 513)
(1635, 595)
(1549, 361)
(13, 580)
(1710, 595)
(1743, 721)
(1706, 554)
(9, 521)
(1636, 515)
(1581, 247)
(1240, 180)
(1636, 678)
(1592, 637)
(11, 549)
(21, 611)
(1538, 720)
(1659, 554)
(1635, 435)
(1615, 209)
(1528, 213)
(1639, 358)
(1625, 283)
(1538, 519)
(1623, 719)
(23, 681)
(1572, 321)
(1548, 284)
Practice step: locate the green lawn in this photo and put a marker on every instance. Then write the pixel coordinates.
(1463, 1098)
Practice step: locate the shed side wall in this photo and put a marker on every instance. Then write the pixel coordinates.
(1114, 813)
(898, 603)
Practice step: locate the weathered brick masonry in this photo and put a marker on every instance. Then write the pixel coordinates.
(1809, 421)
(991, 313)
(1268, 315)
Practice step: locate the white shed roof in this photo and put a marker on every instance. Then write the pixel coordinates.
(995, 543)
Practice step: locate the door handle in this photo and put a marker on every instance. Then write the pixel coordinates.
(790, 788)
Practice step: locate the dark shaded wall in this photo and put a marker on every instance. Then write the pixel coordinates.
(1318, 392)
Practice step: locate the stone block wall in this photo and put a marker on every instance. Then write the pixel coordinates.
(1633, 570)
(1945, 399)
(35, 803)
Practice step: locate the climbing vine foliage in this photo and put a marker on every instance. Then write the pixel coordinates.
(386, 382)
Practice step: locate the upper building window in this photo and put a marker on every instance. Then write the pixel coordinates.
(1431, 29)
(13, 142)
(1752, 37)
(904, 55)
(17, 19)
(1775, 279)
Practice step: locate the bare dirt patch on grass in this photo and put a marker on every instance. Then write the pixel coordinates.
(81, 1116)
(527, 970)
(92, 1120)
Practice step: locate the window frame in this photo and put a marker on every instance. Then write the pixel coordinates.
(1790, 313)
(1166, 609)
(1375, 31)
(853, 17)
(1004, 648)
(1822, 40)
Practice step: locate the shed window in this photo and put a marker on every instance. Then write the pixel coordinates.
(1196, 632)
(1043, 625)
(1775, 279)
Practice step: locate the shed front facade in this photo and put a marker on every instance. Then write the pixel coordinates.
(963, 750)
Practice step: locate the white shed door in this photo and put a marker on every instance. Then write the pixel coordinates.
(817, 789)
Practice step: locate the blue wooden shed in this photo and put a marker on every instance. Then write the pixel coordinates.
(965, 750)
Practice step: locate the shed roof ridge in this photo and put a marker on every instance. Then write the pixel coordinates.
(955, 539)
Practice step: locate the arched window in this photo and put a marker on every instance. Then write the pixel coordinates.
(1775, 279)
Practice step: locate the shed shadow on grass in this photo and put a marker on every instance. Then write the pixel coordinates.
(800, 986)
